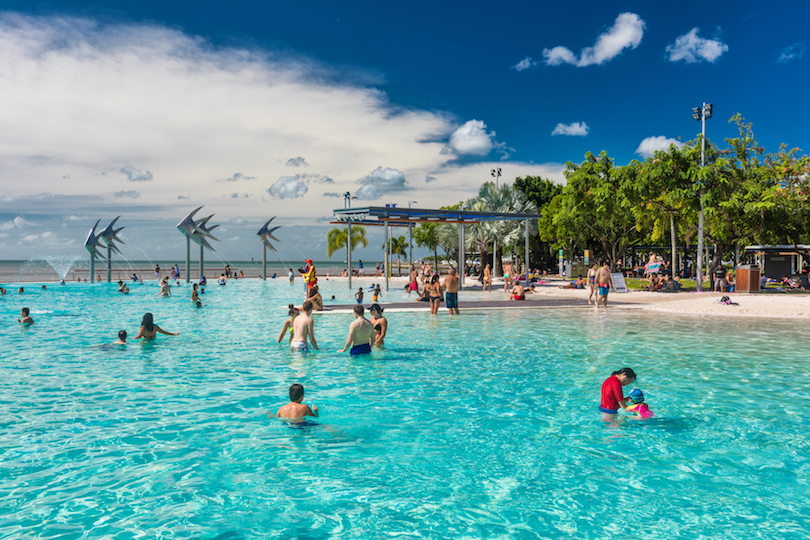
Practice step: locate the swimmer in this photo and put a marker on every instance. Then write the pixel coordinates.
(288, 324)
(202, 290)
(21, 290)
(434, 292)
(122, 338)
(303, 329)
(295, 411)
(126, 289)
(199, 304)
(203, 281)
(612, 395)
(165, 288)
(44, 288)
(380, 324)
(377, 293)
(638, 407)
(120, 286)
(149, 329)
(2, 291)
(195, 297)
(359, 295)
(291, 276)
(222, 280)
(26, 319)
(361, 334)
(61, 282)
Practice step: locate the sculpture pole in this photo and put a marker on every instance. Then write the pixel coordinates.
(265, 234)
(92, 266)
(202, 264)
(109, 263)
(264, 262)
(188, 259)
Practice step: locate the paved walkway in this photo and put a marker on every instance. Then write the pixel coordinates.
(536, 302)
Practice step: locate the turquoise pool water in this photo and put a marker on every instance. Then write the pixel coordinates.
(479, 426)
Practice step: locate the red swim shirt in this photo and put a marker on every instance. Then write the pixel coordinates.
(611, 393)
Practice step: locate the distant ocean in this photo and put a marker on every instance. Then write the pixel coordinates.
(37, 270)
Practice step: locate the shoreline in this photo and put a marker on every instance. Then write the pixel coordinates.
(791, 306)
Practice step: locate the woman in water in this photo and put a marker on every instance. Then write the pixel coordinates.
(288, 324)
(380, 324)
(435, 294)
(195, 297)
(165, 288)
(149, 329)
(612, 394)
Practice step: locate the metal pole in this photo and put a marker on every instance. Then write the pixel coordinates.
(264, 262)
(349, 253)
(92, 266)
(109, 263)
(699, 267)
(386, 252)
(188, 259)
(527, 252)
(202, 264)
(462, 248)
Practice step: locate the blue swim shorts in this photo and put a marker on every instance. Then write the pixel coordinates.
(608, 411)
(452, 300)
(363, 348)
(603, 291)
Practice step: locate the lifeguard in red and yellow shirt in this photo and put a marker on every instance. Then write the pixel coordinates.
(309, 274)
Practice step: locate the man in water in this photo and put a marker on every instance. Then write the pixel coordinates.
(303, 328)
(603, 283)
(295, 411)
(451, 292)
(361, 333)
(26, 319)
(122, 338)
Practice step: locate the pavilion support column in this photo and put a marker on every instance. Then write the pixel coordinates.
(188, 259)
(526, 255)
(461, 255)
(349, 253)
(387, 267)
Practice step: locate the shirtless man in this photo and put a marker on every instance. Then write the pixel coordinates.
(517, 292)
(26, 318)
(361, 333)
(603, 282)
(295, 411)
(592, 281)
(451, 292)
(303, 328)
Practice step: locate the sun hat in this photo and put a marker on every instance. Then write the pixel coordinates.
(636, 396)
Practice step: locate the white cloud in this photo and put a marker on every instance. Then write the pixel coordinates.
(576, 129)
(129, 194)
(238, 221)
(181, 197)
(472, 138)
(792, 52)
(332, 194)
(526, 63)
(692, 48)
(237, 177)
(626, 32)
(297, 162)
(288, 187)
(650, 145)
(380, 182)
(17, 223)
(135, 175)
(429, 179)
(76, 218)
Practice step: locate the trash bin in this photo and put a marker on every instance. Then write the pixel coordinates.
(747, 279)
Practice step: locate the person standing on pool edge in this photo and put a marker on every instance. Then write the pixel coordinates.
(612, 394)
(603, 282)
(309, 275)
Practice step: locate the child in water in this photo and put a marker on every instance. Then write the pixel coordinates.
(295, 411)
(638, 407)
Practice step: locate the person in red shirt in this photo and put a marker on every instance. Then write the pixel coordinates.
(612, 395)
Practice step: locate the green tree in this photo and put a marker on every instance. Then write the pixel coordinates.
(399, 247)
(540, 192)
(336, 239)
(427, 235)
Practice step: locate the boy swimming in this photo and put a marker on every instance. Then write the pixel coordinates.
(638, 407)
(26, 318)
(295, 411)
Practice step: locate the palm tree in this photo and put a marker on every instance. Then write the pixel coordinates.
(399, 247)
(336, 239)
(427, 235)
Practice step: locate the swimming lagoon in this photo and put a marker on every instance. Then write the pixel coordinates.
(477, 426)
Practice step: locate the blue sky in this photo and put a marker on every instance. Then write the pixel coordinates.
(256, 109)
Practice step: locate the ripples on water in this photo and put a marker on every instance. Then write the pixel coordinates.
(480, 426)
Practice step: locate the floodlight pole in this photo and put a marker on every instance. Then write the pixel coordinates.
(349, 251)
(699, 262)
(497, 174)
(527, 252)
(461, 256)
(410, 239)
(387, 242)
